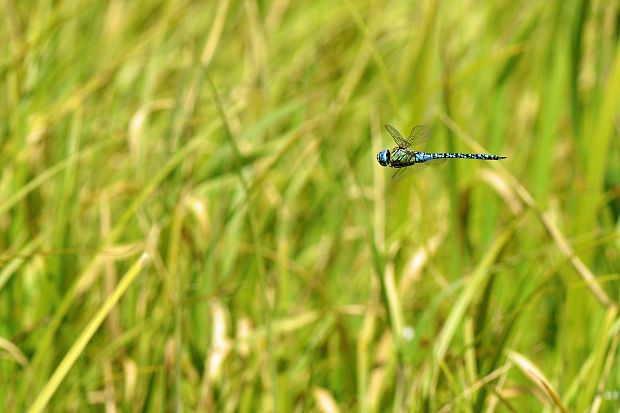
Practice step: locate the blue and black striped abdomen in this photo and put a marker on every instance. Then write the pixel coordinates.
(481, 156)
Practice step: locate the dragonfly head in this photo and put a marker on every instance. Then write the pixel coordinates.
(383, 157)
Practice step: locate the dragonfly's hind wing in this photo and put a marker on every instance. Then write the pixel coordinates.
(406, 172)
(403, 173)
(398, 138)
(419, 135)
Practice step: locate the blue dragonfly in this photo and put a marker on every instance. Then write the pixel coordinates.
(403, 156)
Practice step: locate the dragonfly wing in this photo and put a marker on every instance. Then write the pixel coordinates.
(398, 138)
(401, 173)
(414, 169)
(419, 135)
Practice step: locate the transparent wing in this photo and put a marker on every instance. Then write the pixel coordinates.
(398, 138)
(407, 171)
(419, 135)
(402, 173)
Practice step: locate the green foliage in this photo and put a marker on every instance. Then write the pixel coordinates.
(192, 217)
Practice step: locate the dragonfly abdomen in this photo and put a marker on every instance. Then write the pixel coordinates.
(423, 157)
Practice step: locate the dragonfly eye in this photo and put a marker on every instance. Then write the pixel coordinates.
(383, 157)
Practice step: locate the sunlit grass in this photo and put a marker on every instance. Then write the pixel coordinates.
(233, 144)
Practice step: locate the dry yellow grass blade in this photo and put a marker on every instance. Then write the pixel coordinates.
(13, 351)
(325, 400)
(536, 377)
(483, 381)
(473, 286)
(78, 347)
(215, 34)
(554, 232)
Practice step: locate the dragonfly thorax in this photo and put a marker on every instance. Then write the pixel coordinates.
(383, 157)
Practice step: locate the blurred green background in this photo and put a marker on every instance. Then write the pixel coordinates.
(192, 217)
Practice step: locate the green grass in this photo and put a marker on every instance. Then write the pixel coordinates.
(192, 217)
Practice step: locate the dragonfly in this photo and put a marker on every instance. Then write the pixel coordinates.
(403, 155)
